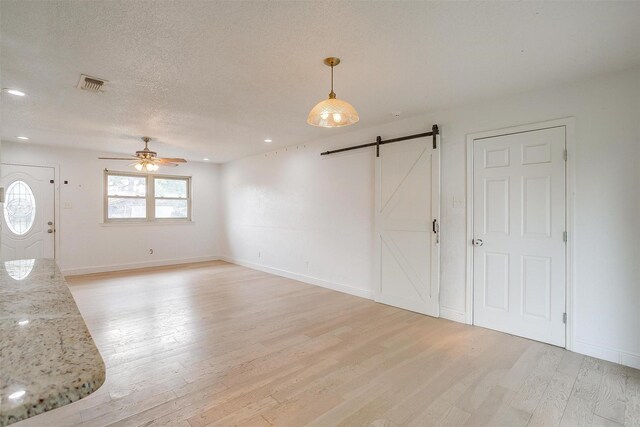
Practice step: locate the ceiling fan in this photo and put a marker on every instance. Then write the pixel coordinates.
(147, 159)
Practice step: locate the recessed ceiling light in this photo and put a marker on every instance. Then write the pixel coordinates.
(268, 140)
(205, 159)
(23, 322)
(24, 138)
(15, 92)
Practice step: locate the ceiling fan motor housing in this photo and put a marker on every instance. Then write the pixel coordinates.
(148, 159)
(146, 154)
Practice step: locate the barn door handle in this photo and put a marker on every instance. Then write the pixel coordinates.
(436, 230)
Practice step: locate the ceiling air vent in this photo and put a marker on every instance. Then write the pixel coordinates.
(91, 84)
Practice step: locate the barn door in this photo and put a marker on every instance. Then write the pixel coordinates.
(407, 204)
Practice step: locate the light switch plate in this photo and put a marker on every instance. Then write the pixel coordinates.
(458, 202)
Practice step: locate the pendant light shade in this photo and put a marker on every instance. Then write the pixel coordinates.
(332, 112)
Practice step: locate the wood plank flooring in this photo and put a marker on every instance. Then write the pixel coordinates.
(215, 344)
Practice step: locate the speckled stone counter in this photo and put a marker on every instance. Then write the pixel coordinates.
(47, 356)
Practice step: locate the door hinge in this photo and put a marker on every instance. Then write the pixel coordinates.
(564, 318)
(566, 155)
(564, 236)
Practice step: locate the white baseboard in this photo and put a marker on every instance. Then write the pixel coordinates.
(363, 293)
(451, 314)
(607, 353)
(135, 265)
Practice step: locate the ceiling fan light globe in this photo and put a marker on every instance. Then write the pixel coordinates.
(149, 167)
(138, 166)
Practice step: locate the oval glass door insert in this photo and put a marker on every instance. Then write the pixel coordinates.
(19, 208)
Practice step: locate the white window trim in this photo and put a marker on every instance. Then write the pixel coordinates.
(149, 197)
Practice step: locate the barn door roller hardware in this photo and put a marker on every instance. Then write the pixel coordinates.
(379, 142)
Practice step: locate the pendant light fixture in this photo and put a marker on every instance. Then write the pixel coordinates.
(332, 112)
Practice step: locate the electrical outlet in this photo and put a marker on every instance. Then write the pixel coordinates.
(67, 205)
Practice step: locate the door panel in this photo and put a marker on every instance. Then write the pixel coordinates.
(496, 290)
(536, 286)
(496, 193)
(34, 198)
(536, 206)
(519, 216)
(407, 201)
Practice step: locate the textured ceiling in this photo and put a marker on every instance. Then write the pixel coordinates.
(214, 79)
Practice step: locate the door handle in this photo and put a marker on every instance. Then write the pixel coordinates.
(49, 231)
(477, 242)
(50, 223)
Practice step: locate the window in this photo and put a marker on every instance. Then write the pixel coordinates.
(146, 197)
(126, 197)
(19, 208)
(171, 197)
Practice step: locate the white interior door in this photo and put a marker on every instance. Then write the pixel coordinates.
(518, 227)
(28, 212)
(407, 203)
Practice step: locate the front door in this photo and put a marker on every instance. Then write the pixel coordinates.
(407, 204)
(28, 212)
(519, 228)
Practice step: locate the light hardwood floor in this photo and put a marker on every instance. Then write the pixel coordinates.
(218, 344)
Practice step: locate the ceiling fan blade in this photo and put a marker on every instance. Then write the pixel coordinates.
(173, 165)
(117, 158)
(173, 159)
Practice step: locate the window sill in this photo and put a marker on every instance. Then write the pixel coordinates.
(146, 223)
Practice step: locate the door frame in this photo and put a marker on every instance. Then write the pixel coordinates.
(435, 208)
(570, 191)
(56, 202)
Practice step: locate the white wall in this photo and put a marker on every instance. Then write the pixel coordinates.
(88, 245)
(299, 214)
(293, 211)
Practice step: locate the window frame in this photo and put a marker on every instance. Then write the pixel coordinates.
(150, 198)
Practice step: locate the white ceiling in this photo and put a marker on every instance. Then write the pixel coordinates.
(214, 79)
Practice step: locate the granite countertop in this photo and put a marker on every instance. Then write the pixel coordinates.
(47, 356)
